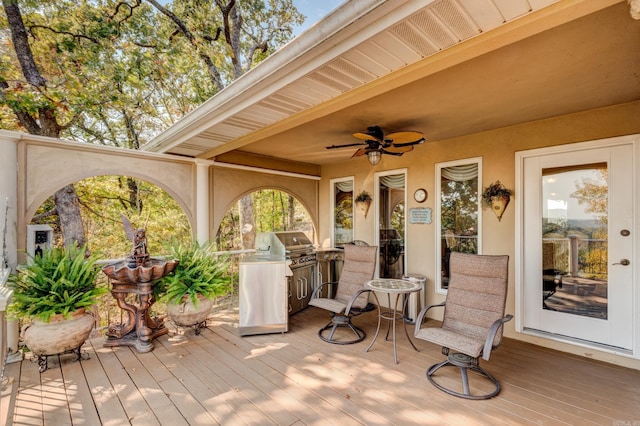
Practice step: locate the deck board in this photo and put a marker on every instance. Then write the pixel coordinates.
(294, 378)
(79, 395)
(158, 402)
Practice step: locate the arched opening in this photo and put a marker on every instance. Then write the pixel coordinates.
(263, 210)
(103, 199)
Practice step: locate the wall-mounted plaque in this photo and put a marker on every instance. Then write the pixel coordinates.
(420, 215)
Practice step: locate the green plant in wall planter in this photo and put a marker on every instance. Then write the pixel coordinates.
(200, 277)
(363, 201)
(51, 294)
(497, 197)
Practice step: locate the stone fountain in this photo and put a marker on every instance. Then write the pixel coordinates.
(135, 276)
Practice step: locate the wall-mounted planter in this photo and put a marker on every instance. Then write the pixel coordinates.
(499, 205)
(497, 197)
(363, 201)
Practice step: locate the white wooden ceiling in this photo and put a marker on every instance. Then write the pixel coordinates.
(428, 30)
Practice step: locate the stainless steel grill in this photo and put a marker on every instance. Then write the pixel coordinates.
(298, 249)
(292, 245)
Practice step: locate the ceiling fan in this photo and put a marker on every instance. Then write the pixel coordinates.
(375, 143)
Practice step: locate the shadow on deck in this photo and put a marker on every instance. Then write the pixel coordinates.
(296, 379)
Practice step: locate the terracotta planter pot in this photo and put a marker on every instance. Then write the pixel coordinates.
(185, 314)
(58, 335)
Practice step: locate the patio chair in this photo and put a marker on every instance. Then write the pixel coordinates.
(351, 297)
(551, 275)
(473, 320)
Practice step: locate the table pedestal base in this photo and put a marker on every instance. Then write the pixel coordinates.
(392, 314)
(139, 329)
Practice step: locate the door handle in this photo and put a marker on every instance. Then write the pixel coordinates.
(623, 262)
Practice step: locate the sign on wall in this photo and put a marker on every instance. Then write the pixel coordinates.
(420, 215)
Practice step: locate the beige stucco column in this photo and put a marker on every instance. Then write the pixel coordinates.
(203, 221)
(8, 233)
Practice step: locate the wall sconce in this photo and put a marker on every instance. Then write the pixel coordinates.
(374, 157)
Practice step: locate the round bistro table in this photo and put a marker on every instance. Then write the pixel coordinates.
(399, 288)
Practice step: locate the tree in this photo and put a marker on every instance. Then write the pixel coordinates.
(594, 194)
(243, 33)
(35, 106)
(114, 73)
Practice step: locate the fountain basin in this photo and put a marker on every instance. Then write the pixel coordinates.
(154, 269)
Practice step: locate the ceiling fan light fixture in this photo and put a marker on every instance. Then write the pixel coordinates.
(374, 157)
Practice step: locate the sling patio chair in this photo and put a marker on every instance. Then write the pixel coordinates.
(351, 297)
(473, 321)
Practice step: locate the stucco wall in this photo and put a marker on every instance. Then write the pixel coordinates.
(45, 165)
(230, 184)
(497, 149)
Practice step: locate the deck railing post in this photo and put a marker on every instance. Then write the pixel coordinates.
(573, 254)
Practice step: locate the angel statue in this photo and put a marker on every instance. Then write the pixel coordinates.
(139, 255)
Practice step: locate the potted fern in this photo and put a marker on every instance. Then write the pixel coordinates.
(52, 293)
(199, 278)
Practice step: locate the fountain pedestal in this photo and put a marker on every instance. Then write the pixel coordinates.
(140, 328)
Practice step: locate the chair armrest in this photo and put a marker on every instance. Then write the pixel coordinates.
(488, 343)
(353, 299)
(421, 315)
(318, 289)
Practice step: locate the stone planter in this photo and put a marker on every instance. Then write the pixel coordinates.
(59, 335)
(186, 314)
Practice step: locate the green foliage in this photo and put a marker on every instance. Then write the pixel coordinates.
(363, 196)
(274, 211)
(459, 206)
(593, 192)
(105, 198)
(118, 73)
(495, 190)
(60, 281)
(200, 271)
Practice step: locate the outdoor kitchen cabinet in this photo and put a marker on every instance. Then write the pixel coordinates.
(300, 286)
(263, 295)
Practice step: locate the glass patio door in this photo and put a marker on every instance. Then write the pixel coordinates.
(389, 202)
(578, 244)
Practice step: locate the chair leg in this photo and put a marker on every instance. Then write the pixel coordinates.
(464, 363)
(341, 321)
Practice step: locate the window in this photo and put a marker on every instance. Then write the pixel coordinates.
(342, 207)
(458, 213)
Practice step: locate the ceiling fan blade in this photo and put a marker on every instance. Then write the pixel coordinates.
(359, 153)
(345, 145)
(366, 137)
(384, 151)
(400, 138)
(394, 149)
(419, 141)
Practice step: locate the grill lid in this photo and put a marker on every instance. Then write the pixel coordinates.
(293, 239)
(282, 243)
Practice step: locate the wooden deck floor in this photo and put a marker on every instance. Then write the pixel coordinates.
(296, 379)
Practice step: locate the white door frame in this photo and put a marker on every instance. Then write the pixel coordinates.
(634, 256)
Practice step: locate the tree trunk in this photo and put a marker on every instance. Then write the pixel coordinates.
(247, 222)
(44, 123)
(69, 216)
(134, 195)
(292, 211)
